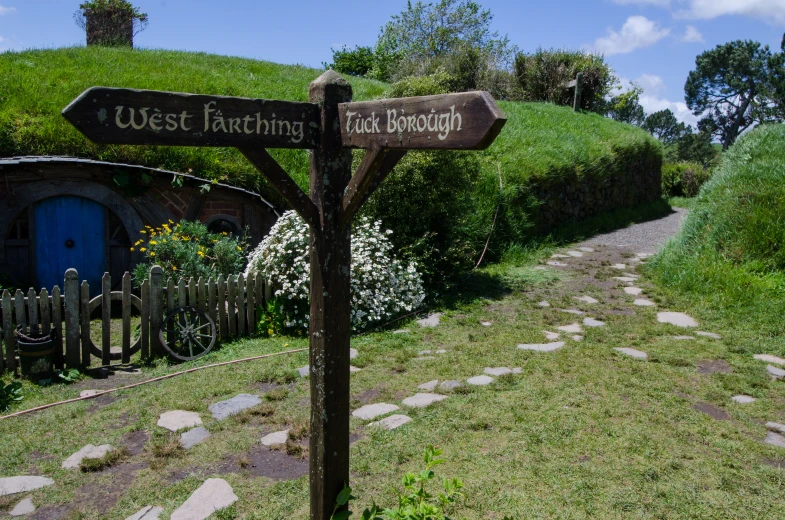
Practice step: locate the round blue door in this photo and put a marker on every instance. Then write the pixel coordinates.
(70, 232)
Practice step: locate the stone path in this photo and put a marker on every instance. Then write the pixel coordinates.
(392, 422)
(147, 513)
(14, 485)
(179, 420)
(215, 494)
(646, 237)
(275, 438)
(223, 409)
(25, 507)
(372, 411)
(88, 452)
(193, 437)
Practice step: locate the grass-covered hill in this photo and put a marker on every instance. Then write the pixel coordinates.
(731, 251)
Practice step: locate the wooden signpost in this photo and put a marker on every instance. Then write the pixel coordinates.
(330, 125)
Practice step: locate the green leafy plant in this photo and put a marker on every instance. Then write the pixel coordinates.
(68, 375)
(10, 393)
(415, 501)
(110, 22)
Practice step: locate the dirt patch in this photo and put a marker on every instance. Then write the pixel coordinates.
(177, 476)
(264, 462)
(367, 396)
(714, 411)
(105, 379)
(134, 441)
(51, 513)
(266, 386)
(717, 366)
(100, 402)
(775, 463)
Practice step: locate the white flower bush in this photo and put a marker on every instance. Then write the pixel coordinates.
(381, 286)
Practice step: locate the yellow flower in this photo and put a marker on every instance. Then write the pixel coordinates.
(153, 242)
(152, 253)
(164, 240)
(200, 254)
(143, 232)
(143, 249)
(270, 332)
(132, 249)
(239, 248)
(171, 221)
(174, 268)
(224, 233)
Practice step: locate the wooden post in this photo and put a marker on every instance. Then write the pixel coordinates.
(182, 294)
(170, 306)
(84, 310)
(46, 318)
(240, 305)
(250, 291)
(330, 303)
(71, 288)
(145, 338)
(106, 320)
(19, 308)
(576, 106)
(231, 305)
(126, 356)
(222, 308)
(32, 308)
(192, 293)
(211, 301)
(156, 307)
(8, 331)
(57, 325)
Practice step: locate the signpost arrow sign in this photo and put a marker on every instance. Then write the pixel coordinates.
(126, 116)
(465, 121)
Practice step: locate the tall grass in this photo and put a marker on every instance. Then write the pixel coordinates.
(730, 254)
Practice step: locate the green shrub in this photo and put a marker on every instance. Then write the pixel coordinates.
(683, 179)
(730, 253)
(430, 84)
(188, 250)
(542, 74)
(10, 393)
(356, 62)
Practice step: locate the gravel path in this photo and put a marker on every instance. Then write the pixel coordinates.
(646, 237)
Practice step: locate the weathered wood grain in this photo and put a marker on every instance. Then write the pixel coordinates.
(106, 320)
(32, 312)
(221, 303)
(250, 292)
(231, 305)
(241, 305)
(126, 116)
(84, 313)
(212, 301)
(156, 308)
(19, 310)
(464, 121)
(57, 325)
(126, 346)
(145, 339)
(44, 313)
(8, 332)
(72, 318)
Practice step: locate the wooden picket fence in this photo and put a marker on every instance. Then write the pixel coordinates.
(230, 302)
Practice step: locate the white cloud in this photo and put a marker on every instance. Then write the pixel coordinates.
(772, 11)
(6, 10)
(651, 83)
(692, 35)
(636, 33)
(651, 101)
(658, 3)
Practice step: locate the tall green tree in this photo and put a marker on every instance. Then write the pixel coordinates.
(664, 126)
(626, 107)
(733, 87)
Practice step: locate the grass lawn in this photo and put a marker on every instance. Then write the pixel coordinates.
(583, 431)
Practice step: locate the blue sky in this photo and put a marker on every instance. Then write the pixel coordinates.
(653, 42)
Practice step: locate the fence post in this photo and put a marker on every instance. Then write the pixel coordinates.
(578, 92)
(57, 325)
(250, 292)
(145, 320)
(222, 307)
(43, 305)
(156, 306)
(19, 307)
(211, 301)
(84, 302)
(182, 299)
(8, 330)
(71, 288)
(126, 346)
(106, 319)
(192, 293)
(32, 311)
(240, 305)
(231, 301)
(170, 306)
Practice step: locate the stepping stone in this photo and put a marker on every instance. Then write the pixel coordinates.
(353, 353)
(643, 255)
(575, 254)
(430, 385)
(500, 371)
(193, 437)
(13, 485)
(372, 411)
(714, 336)
(572, 328)
(591, 322)
(626, 279)
(275, 438)
(353, 370)
(630, 275)
(776, 373)
(88, 393)
(574, 311)
(775, 439)
(544, 304)
(480, 380)
(441, 351)
(392, 422)
(586, 249)
(743, 399)
(557, 264)
(683, 338)
(88, 452)
(425, 352)
(215, 494)
(431, 321)
(304, 371)
(486, 323)
(223, 409)
(637, 354)
(423, 400)
(676, 318)
(587, 299)
(25, 507)
(147, 513)
(401, 331)
(776, 427)
(450, 385)
(577, 338)
(544, 347)
(179, 419)
(620, 266)
(644, 303)
(633, 291)
(768, 358)
(557, 255)
(540, 268)
(551, 335)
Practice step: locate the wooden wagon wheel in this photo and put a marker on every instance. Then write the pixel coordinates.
(192, 334)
